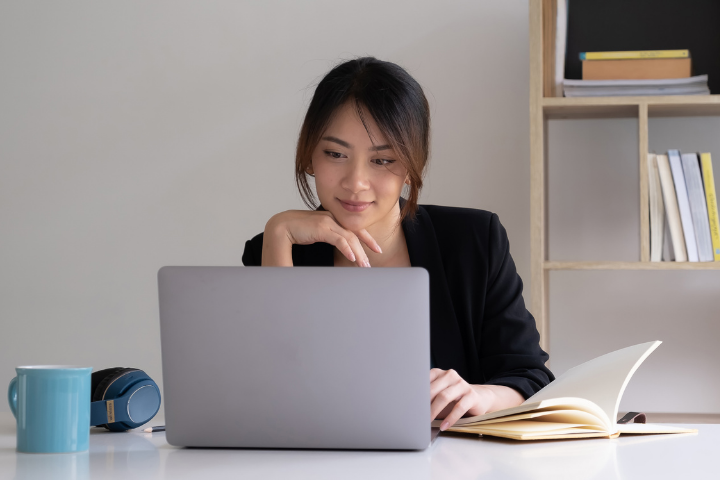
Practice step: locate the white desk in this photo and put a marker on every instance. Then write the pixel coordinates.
(137, 455)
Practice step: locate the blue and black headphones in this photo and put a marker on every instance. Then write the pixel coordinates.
(122, 398)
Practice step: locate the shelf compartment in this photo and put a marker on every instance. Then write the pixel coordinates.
(631, 265)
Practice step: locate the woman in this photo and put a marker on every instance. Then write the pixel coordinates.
(364, 139)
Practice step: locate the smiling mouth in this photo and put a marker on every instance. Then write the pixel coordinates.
(354, 206)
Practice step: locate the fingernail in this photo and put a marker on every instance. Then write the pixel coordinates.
(444, 426)
(352, 257)
(379, 249)
(367, 263)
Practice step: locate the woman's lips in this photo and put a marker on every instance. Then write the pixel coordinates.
(354, 208)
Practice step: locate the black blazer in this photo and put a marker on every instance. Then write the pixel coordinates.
(479, 325)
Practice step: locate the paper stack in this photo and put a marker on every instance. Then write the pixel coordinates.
(696, 85)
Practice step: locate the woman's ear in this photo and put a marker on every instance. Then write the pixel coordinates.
(309, 170)
(407, 179)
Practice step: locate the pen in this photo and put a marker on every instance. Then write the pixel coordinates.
(159, 428)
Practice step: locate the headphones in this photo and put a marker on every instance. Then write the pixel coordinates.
(122, 398)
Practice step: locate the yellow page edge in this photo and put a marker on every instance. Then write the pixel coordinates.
(635, 54)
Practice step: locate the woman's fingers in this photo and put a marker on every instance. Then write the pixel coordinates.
(443, 380)
(359, 253)
(362, 259)
(368, 240)
(448, 395)
(461, 407)
(342, 244)
(353, 239)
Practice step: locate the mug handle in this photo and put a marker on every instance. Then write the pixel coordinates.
(12, 396)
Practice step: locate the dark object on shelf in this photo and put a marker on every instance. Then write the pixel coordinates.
(632, 417)
(616, 25)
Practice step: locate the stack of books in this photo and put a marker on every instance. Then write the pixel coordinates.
(684, 224)
(649, 72)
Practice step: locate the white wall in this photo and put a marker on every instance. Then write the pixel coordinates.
(138, 134)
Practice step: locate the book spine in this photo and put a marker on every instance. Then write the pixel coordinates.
(712, 206)
(668, 253)
(671, 209)
(560, 46)
(698, 205)
(548, 18)
(634, 54)
(637, 69)
(684, 205)
(657, 210)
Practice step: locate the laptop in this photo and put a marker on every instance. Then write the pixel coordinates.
(302, 357)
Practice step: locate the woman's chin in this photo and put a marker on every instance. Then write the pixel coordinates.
(350, 222)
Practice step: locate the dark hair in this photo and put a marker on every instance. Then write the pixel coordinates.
(394, 100)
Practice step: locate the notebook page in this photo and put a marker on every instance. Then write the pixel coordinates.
(601, 380)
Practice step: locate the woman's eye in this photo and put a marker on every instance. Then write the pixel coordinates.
(333, 154)
(383, 161)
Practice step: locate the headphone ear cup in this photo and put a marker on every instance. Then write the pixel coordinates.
(99, 377)
(101, 382)
(104, 382)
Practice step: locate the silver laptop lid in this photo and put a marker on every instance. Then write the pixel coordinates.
(303, 357)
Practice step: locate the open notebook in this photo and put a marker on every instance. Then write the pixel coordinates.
(581, 403)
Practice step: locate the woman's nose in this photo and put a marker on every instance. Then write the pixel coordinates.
(356, 178)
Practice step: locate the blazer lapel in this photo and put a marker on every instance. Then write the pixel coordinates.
(447, 345)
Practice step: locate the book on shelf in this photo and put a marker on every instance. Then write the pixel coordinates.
(657, 210)
(682, 185)
(671, 209)
(683, 205)
(668, 253)
(581, 403)
(712, 206)
(635, 54)
(560, 41)
(548, 57)
(554, 39)
(696, 85)
(698, 205)
(644, 68)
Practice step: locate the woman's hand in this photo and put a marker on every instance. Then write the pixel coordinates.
(304, 227)
(451, 397)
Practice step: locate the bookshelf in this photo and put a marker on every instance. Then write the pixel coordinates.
(543, 109)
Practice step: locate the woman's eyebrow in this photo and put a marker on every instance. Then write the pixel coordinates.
(376, 148)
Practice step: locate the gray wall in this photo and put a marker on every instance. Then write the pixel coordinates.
(139, 134)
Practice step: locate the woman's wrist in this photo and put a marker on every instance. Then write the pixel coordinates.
(497, 397)
(277, 247)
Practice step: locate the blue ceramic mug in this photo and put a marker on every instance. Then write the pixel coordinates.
(51, 404)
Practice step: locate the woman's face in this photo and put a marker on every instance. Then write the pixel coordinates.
(358, 182)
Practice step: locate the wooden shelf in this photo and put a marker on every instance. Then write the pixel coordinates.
(543, 109)
(631, 265)
(619, 107)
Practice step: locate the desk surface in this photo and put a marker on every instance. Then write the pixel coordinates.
(140, 455)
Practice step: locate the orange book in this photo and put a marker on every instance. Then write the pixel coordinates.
(636, 69)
